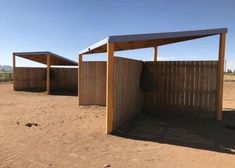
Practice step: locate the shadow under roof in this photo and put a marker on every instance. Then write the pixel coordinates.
(137, 41)
(41, 57)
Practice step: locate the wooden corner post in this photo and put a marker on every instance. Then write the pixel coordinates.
(220, 76)
(48, 73)
(154, 54)
(14, 72)
(79, 77)
(109, 88)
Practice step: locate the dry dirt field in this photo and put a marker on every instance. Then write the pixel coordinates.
(73, 137)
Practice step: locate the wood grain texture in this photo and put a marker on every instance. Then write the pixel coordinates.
(30, 79)
(80, 59)
(183, 86)
(220, 78)
(110, 88)
(14, 66)
(64, 80)
(34, 79)
(128, 97)
(92, 89)
(48, 73)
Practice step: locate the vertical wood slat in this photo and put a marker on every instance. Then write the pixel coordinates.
(157, 77)
(92, 87)
(48, 73)
(185, 85)
(197, 85)
(173, 90)
(34, 79)
(192, 85)
(64, 80)
(79, 76)
(200, 86)
(14, 66)
(182, 85)
(170, 84)
(214, 85)
(128, 97)
(29, 79)
(206, 78)
(177, 83)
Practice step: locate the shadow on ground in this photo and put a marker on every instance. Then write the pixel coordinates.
(54, 92)
(182, 130)
(61, 93)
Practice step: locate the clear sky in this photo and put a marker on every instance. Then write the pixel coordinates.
(68, 26)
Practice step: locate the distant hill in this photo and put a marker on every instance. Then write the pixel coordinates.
(7, 68)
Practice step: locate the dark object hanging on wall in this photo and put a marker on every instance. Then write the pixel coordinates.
(147, 81)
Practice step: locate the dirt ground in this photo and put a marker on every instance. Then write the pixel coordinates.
(73, 137)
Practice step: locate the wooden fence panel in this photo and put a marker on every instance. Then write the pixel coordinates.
(128, 97)
(93, 83)
(185, 86)
(64, 79)
(30, 79)
(34, 79)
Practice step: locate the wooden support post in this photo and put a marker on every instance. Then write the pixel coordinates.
(220, 76)
(154, 54)
(79, 77)
(48, 73)
(155, 60)
(14, 66)
(109, 88)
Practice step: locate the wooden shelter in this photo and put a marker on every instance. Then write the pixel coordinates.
(49, 78)
(133, 86)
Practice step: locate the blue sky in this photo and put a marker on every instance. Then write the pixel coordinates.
(68, 26)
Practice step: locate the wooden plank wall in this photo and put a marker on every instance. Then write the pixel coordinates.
(64, 79)
(128, 97)
(34, 79)
(93, 83)
(184, 86)
(30, 79)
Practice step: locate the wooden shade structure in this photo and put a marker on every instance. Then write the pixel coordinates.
(153, 40)
(46, 58)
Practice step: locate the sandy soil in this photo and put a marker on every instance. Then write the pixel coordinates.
(229, 78)
(72, 136)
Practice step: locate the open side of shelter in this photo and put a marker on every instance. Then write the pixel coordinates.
(49, 79)
(128, 87)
